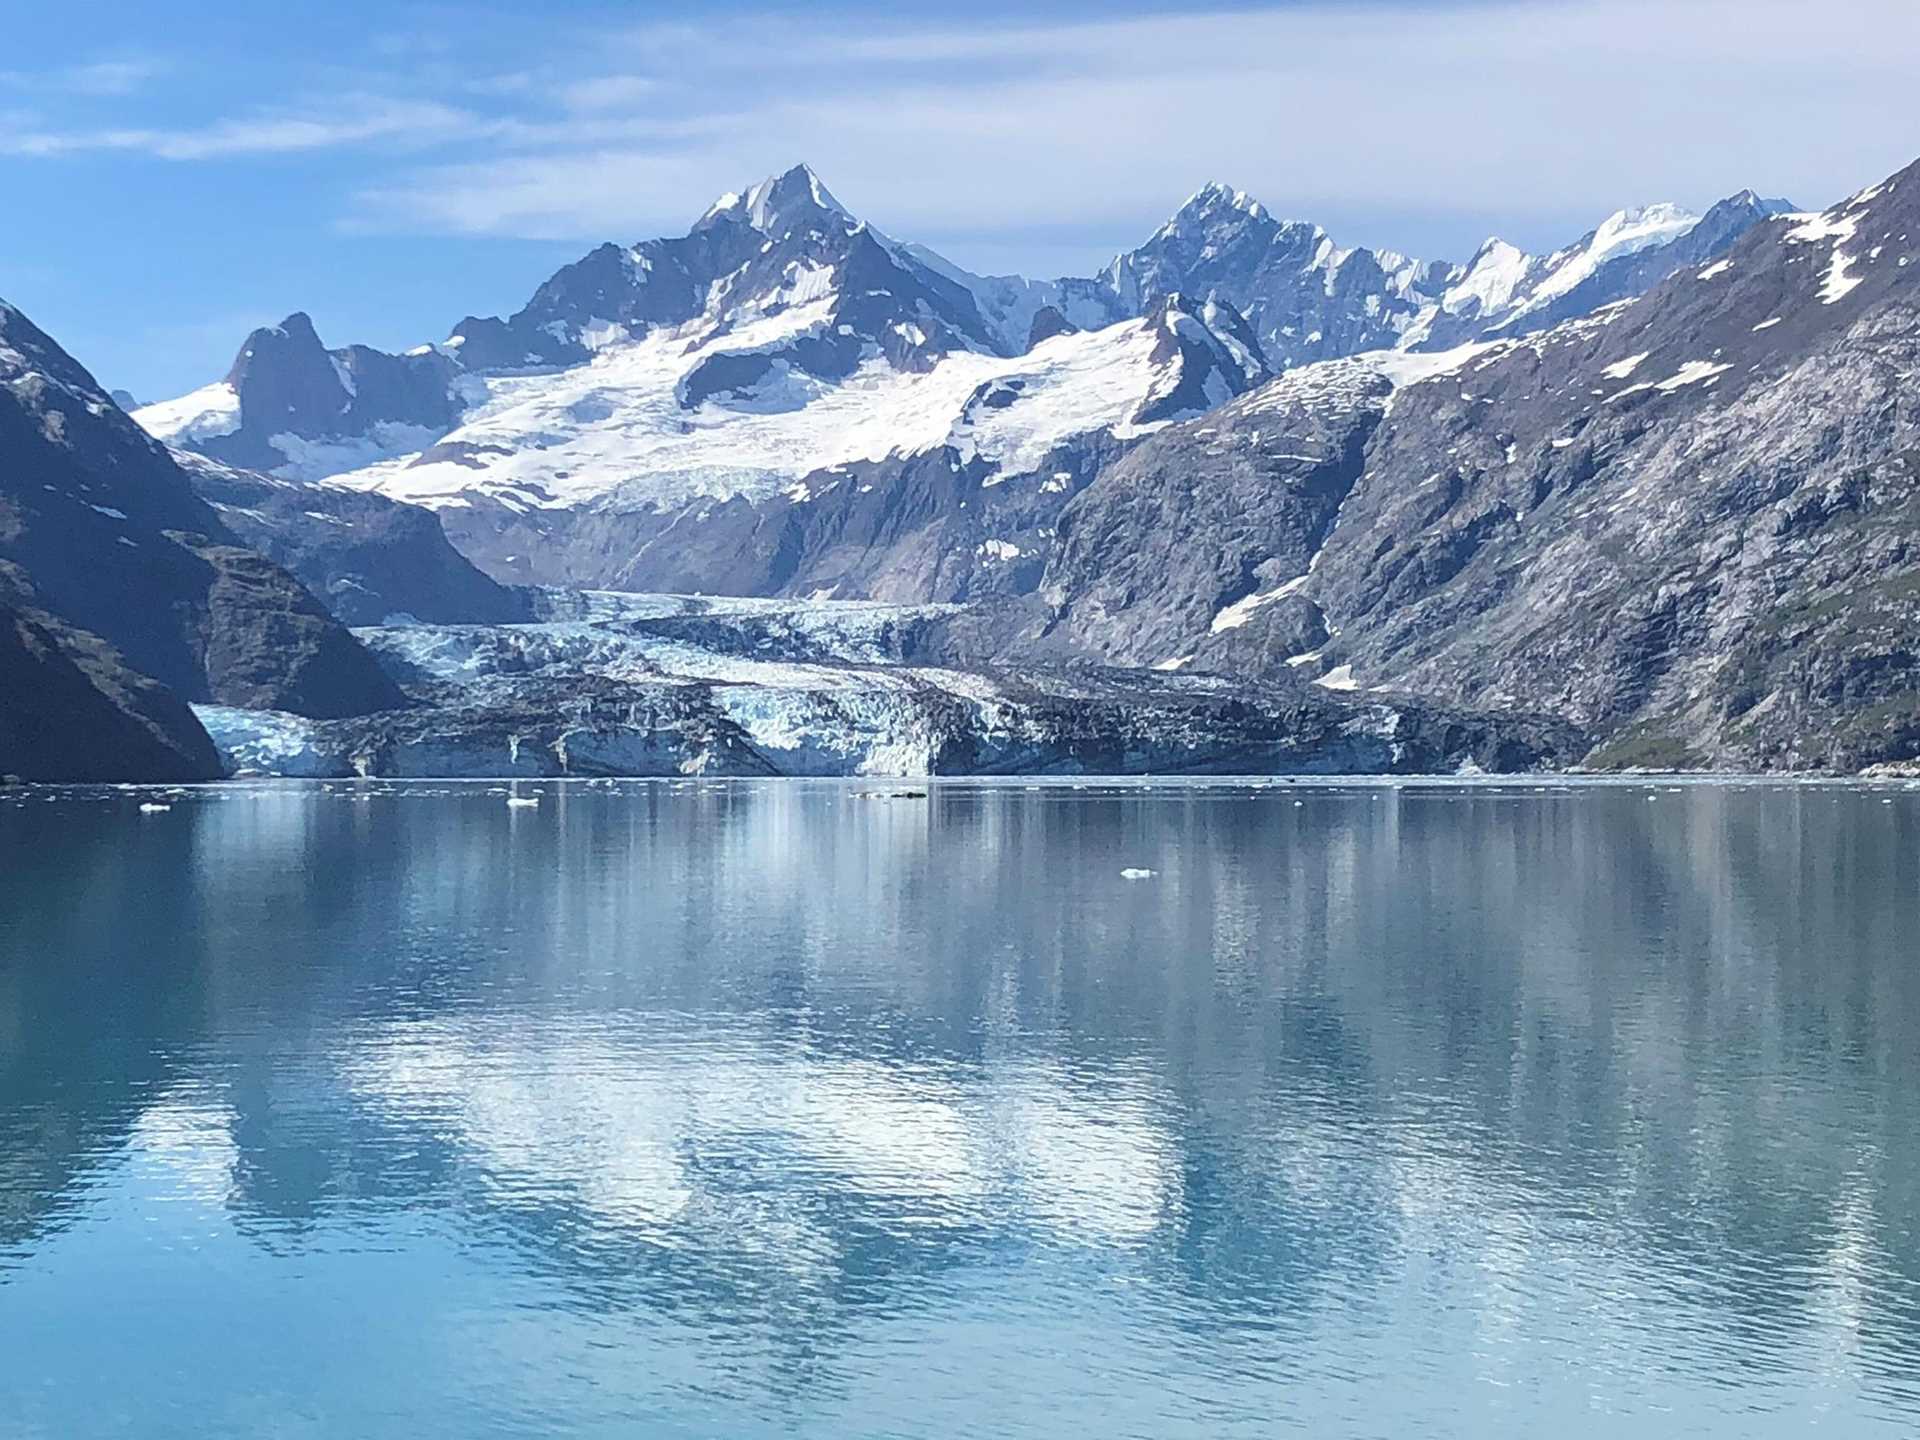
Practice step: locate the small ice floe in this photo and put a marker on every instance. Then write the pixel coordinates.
(522, 802)
(150, 808)
(1135, 873)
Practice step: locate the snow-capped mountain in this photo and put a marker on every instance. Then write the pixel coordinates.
(783, 336)
(1658, 486)
(1308, 298)
(1503, 291)
(733, 403)
(1684, 522)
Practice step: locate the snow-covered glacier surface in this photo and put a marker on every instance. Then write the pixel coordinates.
(620, 426)
(611, 684)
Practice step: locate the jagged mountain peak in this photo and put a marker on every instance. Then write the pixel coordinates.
(1751, 200)
(1214, 197)
(780, 203)
(778, 294)
(294, 336)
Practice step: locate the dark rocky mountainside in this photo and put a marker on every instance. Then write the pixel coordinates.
(71, 710)
(368, 559)
(1687, 524)
(101, 534)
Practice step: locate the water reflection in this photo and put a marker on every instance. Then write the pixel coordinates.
(762, 1108)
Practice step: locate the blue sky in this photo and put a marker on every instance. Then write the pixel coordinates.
(177, 173)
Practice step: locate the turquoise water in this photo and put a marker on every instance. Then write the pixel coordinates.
(758, 1109)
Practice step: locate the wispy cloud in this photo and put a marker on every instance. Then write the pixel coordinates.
(1483, 106)
(96, 79)
(349, 120)
(1571, 108)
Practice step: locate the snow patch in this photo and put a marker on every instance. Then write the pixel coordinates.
(1233, 616)
(1339, 678)
(204, 414)
(1811, 229)
(1838, 284)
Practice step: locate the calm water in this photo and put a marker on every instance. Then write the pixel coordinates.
(758, 1109)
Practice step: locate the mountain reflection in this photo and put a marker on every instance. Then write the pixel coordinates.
(769, 1060)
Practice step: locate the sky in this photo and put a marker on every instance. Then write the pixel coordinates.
(172, 175)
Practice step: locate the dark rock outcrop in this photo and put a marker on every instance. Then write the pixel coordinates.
(368, 559)
(71, 710)
(100, 529)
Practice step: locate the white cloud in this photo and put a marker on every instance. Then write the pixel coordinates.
(609, 92)
(1575, 107)
(98, 78)
(1525, 110)
(350, 120)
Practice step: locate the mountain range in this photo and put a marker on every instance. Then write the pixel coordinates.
(1641, 501)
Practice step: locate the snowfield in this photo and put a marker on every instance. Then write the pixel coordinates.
(203, 414)
(615, 427)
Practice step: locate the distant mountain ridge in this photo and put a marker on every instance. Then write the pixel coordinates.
(1685, 523)
(790, 296)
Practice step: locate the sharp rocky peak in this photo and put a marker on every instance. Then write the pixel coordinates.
(292, 337)
(780, 203)
(1214, 197)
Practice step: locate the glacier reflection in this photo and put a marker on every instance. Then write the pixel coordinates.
(1457, 1107)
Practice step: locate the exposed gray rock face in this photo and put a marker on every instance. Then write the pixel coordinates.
(100, 529)
(1154, 556)
(1686, 524)
(291, 390)
(654, 686)
(365, 557)
(944, 524)
(71, 710)
(909, 529)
